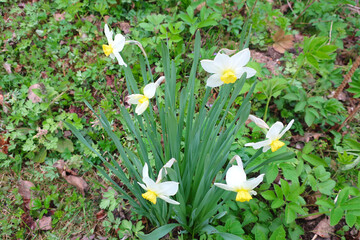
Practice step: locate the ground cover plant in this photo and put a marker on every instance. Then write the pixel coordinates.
(58, 85)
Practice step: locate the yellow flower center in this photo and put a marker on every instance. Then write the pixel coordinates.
(143, 99)
(276, 144)
(243, 195)
(108, 49)
(228, 76)
(150, 195)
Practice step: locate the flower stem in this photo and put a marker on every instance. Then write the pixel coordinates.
(266, 108)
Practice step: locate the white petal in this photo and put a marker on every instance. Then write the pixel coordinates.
(112, 56)
(119, 58)
(160, 80)
(274, 131)
(250, 72)
(240, 59)
(143, 186)
(224, 186)
(119, 43)
(258, 121)
(253, 182)
(163, 172)
(108, 33)
(134, 98)
(235, 177)
(150, 89)
(167, 188)
(141, 107)
(210, 66)
(238, 161)
(252, 192)
(169, 200)
(145, 171)
(214, 81)
(266, 148)
(222, 60)
(287, 128)
(258, 145)
(150, 184)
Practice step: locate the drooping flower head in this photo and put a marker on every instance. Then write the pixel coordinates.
(227, 69)
(142, 100)
(236, 182)
(273, 135)
(115, 46)
(159, 189)
(258, 121)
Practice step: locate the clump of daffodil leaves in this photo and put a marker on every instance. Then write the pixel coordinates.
(193, 136)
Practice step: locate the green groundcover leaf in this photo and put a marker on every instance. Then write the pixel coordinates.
(159, 232)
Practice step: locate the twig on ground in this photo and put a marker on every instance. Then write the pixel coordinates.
(303, 11)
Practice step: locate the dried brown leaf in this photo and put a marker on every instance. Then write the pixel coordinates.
(125, 27)
(77, 182)
(32, 96)
(7, 67)
(324, 229)
(24, 189)
(282, 41)
(59, 16)
(101, 214)
(44, 223)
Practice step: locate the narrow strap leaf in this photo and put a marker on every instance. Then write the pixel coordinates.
(159, 232)
(227, 236)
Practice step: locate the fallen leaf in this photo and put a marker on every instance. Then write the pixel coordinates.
(308, 136)
(7, 67)
(4, 144)
(125, 27)
(32, 96)
(24, 189)
(101, 214)
(324, 229)
(43, 224)
(28, 220)
(77, 182)
(18, 68)
(59, 16)
(282, 41)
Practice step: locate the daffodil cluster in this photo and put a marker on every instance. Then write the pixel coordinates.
(224, 69)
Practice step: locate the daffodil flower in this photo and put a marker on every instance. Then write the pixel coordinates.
(273, 135)
(142, 100)
(115, 46)
(258, 121)
(227, 69)
(159, 189)
(236, 182)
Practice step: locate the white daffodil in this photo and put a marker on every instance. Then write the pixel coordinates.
(273, 135)
(258, 121)
(159, 189)
(227, 69)
(142, 100)
(115, 46)
(236, 182)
